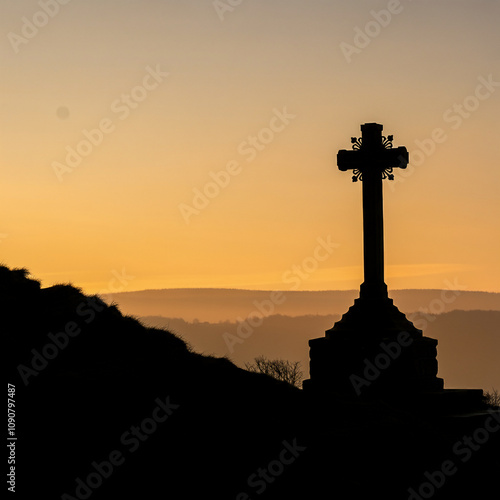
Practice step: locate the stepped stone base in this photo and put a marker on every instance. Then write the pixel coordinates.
(374, 349)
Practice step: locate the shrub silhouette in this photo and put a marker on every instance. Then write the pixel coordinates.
(280, 369)
(492, 398)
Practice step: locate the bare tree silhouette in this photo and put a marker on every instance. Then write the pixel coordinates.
(280, 369)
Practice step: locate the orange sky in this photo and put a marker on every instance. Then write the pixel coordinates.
(116, 114)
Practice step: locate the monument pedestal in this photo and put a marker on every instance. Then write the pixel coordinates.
(372, 350)
(375, 352)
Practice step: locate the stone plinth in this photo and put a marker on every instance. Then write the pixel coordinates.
(373, 349)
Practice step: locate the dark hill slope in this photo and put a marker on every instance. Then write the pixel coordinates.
(107, 379)
(107, 408)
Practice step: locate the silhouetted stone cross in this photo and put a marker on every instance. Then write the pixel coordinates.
(372, 159)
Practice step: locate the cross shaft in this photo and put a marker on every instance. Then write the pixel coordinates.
(373, 159)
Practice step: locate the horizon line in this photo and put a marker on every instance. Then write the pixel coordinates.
(287, 291)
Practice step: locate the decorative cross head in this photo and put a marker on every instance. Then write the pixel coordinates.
(372, 153)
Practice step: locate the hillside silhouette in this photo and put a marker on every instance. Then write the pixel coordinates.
(108, 408)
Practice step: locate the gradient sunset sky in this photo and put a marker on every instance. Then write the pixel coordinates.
(266, 91)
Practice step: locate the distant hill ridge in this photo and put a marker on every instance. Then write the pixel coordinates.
(212, 304)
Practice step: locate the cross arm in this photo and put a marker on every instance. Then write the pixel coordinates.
(381, 160)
